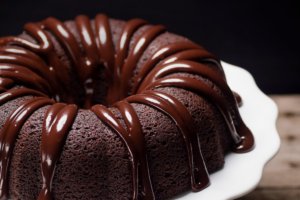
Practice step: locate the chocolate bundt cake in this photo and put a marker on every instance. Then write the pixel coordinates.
(170, 114)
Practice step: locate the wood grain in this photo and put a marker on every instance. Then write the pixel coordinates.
(281, 176)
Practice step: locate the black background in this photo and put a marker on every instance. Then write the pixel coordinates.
(260, 36)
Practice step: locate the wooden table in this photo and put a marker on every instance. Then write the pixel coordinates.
(281, 176)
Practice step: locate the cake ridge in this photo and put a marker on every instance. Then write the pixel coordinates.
(120, 66)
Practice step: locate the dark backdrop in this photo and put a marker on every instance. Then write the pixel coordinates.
(260, 36)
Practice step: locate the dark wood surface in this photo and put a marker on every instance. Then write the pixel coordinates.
(281, 176)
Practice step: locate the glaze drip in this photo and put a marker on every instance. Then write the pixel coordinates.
(192, 67)
(6, 83)
(238, 98)
(130, 27)
(178, 112)
(110, 120)
(57, 123)
(13, 94)
(134, 56)
(24, 76)
(197, 55)
(56, 69)
(244, 140)
(159, 55)
(9, 134)
(37, 66)
(135, 132)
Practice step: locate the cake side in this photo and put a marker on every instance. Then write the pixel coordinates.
(95, 161)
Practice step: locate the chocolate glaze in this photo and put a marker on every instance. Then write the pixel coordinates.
(9, 134)
(238, 98)
(135, 132)
(6, 83)
(2, 89)
(134, 56)
(159, 55)
(109, 119)
(68, 41)
(57, 71)
(130, 27)
(106, 51)
(197, 68)
(244, 140)
(198, 55)
(13, 94)
(88, 75)
(57, 123)
(24, 76)
(37, 66)
(29, 63)
(199, 174)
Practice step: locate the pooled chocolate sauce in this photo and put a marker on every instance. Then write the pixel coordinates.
(238, 98)
(38, 67)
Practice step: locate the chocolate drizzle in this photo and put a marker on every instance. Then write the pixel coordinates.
(159, 55)
(24, 76)
(134, 56)
(238, 98)
(106, 51)
(130, 27)
(198, 55)
(13, 94)
(6, 82)
(178, 112)
(10, 132)
(135, 132)
(57, 123)
(56, 70)
(109, 119)
(2, 89)
(37, 66)
(204, 90)
(155, 78)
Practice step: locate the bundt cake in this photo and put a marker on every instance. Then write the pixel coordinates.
(170, 114)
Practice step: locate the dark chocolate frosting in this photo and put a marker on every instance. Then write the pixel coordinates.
(178, 112)
(10, 132)
(37, 66)
(57, 123)
(238, 98)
